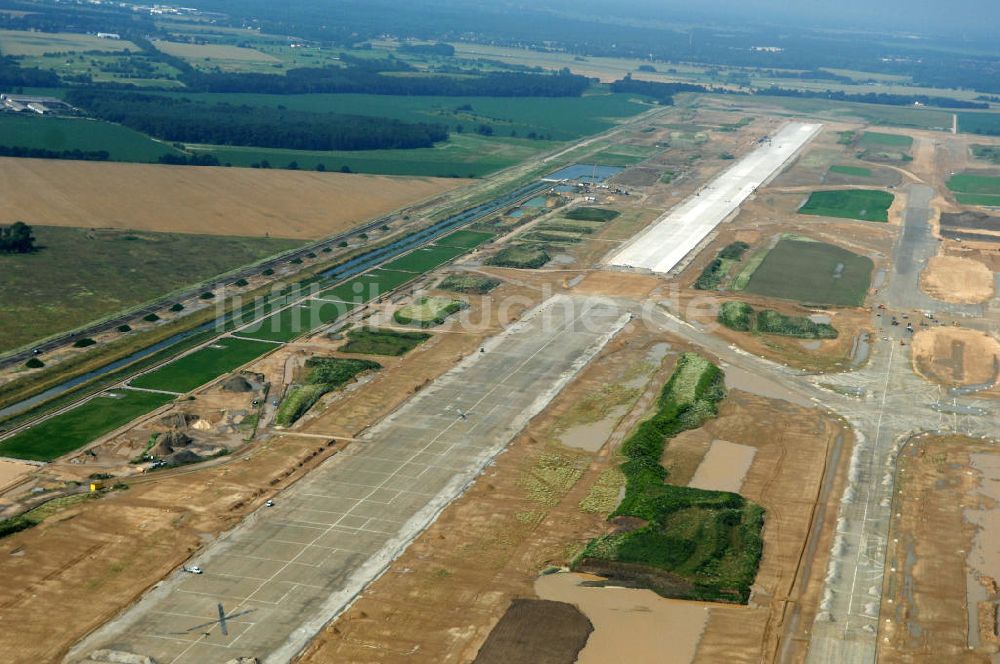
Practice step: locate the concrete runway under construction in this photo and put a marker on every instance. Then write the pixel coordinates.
(290, 569)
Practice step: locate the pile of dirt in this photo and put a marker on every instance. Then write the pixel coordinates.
(183, 457)
(237, 384)
(169, 442)
(178, 420)
(538, 631)
(957, 279)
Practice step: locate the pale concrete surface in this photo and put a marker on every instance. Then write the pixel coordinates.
(675, 234)
(290, 569)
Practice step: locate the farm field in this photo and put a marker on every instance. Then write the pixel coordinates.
(203, 365)
(217, 201)
(861, 204)
(17, 42)
(368, 286)
(986, 124)
(79, 274)
(460, 156)
(812, 272)
(59, 134)
(424, 259)
(210, 56)
(976, 189)
(296, 320)
(77, 427)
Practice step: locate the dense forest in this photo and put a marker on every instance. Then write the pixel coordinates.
(877, 98)
(662, 92)
(42, 153)
(182, 120)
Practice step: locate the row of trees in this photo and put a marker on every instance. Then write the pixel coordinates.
(17, 239)
(186, 121)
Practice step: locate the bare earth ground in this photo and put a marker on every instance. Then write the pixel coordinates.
(955, 279)
(220, 201)
(12, 471)
(928, 581)
(955, 356)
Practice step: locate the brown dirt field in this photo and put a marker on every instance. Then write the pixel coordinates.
(537, 631)
(793, 445)
(955, 279)
(12, 471)
(203, 200)
(955, 356)
(925, 596)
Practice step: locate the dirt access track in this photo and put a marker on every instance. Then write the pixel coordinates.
(203, 200)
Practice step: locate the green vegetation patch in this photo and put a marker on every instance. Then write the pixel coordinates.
(591, 214)
(707, 544)
(862, 204)
(718, 269)
(83, 424)
(66, 134)
(812, 272)
(188, 372)
(297, 320)
(856, 171)
(987, 152)
(985, 124)
(520, 256)
(877, 139)
(428, 311)
(367, 341)
(78, 274)
(369, 286)
(742, 317)
(425, 259)
(325, 375)
(465, 239)
(469, 283)
(976, 189)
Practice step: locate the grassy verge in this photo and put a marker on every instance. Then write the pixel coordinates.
(325, 375)
(718, 269)
(81, 425)
(367, 341)
(428, 311)
(742, 317)
(691, 543)
(856, 171)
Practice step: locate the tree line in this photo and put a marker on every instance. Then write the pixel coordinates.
(186, 121)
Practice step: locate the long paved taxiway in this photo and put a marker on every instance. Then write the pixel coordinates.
(290, 569)
(674, 235)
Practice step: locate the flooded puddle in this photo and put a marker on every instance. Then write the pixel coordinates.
(724, 467)
(739, 379)
(630, 625)
(592, 436)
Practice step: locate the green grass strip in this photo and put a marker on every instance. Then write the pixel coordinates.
(205, 364)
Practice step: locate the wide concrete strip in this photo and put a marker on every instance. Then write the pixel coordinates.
(680, 230)
(289, 570)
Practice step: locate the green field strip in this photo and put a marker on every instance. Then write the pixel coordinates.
(978, 199)
(860, 204)
(465, 239)
(852, 170)
(367, 287)
(969, 183)
(813, 273)
(425, 260)
(197, 368)
(296, 320)
(874, 138)
(81, 425)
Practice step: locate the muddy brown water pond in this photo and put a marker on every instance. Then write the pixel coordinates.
(724, 467)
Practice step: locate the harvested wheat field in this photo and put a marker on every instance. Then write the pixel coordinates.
(207, 200)
(956, 279)
(956, 356)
